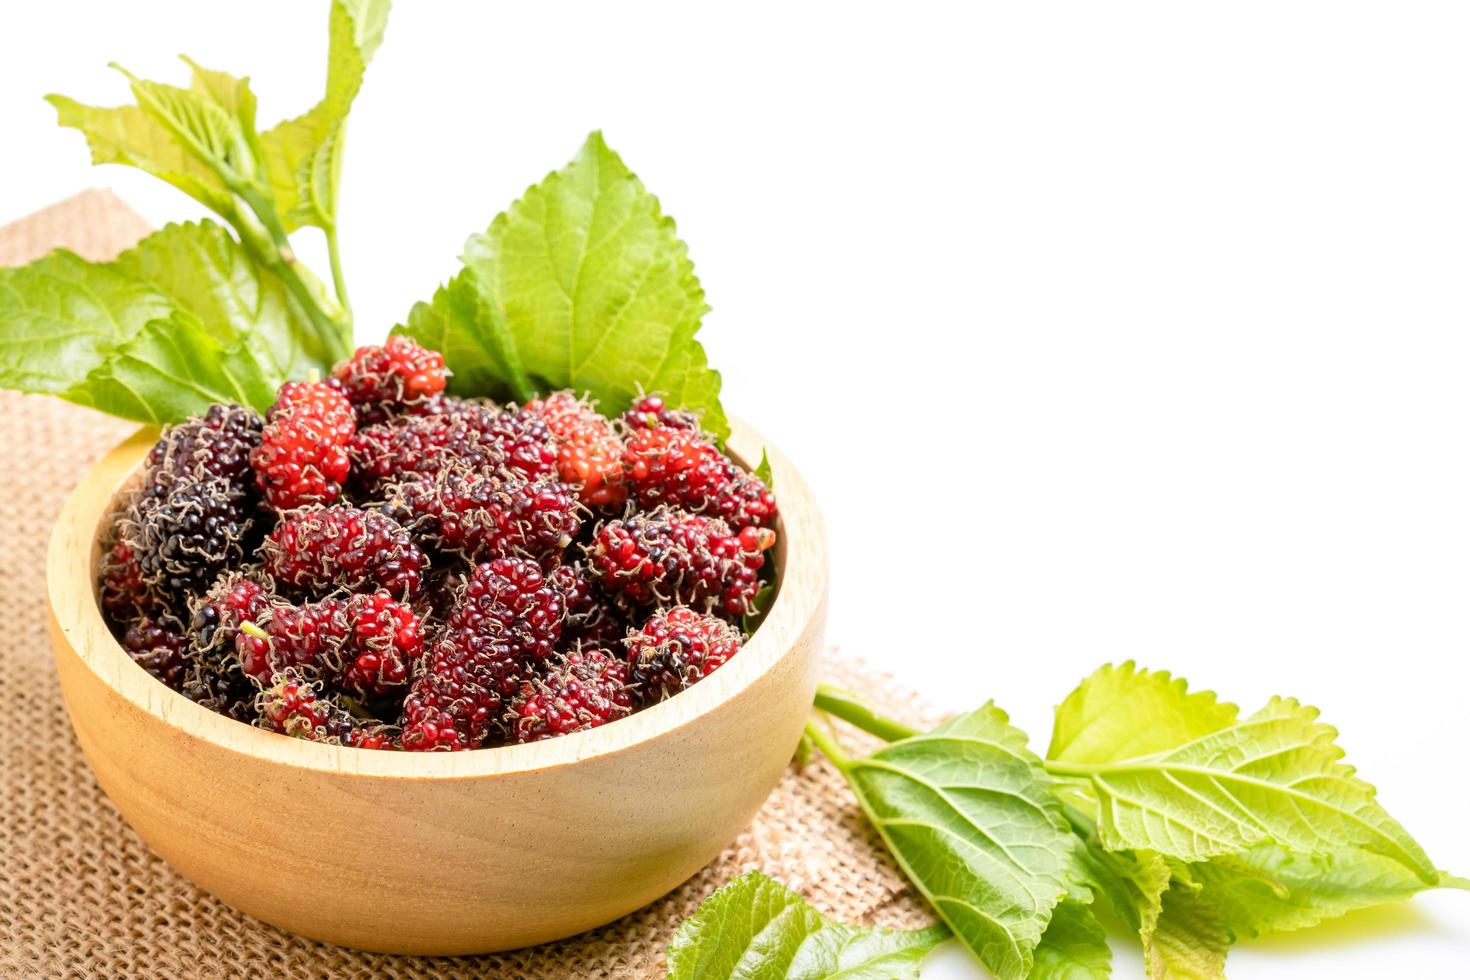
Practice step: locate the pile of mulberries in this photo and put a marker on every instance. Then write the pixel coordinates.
(379, 564)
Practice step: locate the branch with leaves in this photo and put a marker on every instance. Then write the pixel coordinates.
(1194, 826)
(581, 284)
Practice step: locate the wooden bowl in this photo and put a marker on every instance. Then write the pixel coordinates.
(439, 853)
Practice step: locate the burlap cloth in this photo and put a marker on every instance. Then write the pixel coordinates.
(82, 896)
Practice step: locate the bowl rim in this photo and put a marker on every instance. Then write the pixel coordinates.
(74, 551)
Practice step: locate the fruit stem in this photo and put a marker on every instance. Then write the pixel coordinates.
(824, 741)
(858, 713)
(253, 630)
(339, 282)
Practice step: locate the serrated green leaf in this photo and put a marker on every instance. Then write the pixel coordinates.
(1074, 947)
(126, 135)
(584, 284)
(219, 134)
(1123, 713)
(757, 929)
(1276, 775)
(201, 139)
(969, 814)
(174, 368)
(1269, 889)
(61, 316)
(219, 327)
(303, 156)
(1189, 942)
(204, 271)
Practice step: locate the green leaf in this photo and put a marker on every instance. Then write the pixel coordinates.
(201, 139)
(759, 606)
(204, 271)
(1269, 889)
(213, 120)
(1123, 713)
(1074, 947)
(1276, 775)
(763, 471)
(128, 136)
(583, 284)
(969, 814)
(61, 316)
(303, 156)
(174, 368)
(1133, 882)
(182, 320)
(1189, 941)
(756, 929)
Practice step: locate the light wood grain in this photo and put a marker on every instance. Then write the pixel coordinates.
(440, 853)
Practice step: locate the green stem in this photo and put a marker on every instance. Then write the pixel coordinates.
(828, 745)
(335, 331)
(339, 283)
(858, 713)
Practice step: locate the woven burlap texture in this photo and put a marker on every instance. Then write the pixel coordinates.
(82, 896)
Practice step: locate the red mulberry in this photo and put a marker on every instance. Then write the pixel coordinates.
(216, 615)
(457, 698)
(158, 645)
(364, 645)
(525, 441)
(504, 615)
(482, 517)
(676, 648)
(295, 638)
(650, 412)
(591, 619)
(512, 599)
(293, 705)
(682, 468)
(424, 445)
(588, 450)
(582, 690)
(386, 644)
(121, 591)
(320, 399)
(667, 556)
(398, 372)
(326, 548)
(303, 457)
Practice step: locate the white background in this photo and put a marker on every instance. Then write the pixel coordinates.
(1101, 331)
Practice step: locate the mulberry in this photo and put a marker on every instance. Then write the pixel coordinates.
(121, 591)
(326, 548)
(582, 690)
(183, 538)
(399, 372)
(215, 445)
(303, 453)
(505, 615)
(650, 412)
(667, 556)
(676, 648)
(682, 468)
(158, 645)
(483, 517)
(591, 619)
(424, 445)
(293, 705)
(511, 599)
(588, 450)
